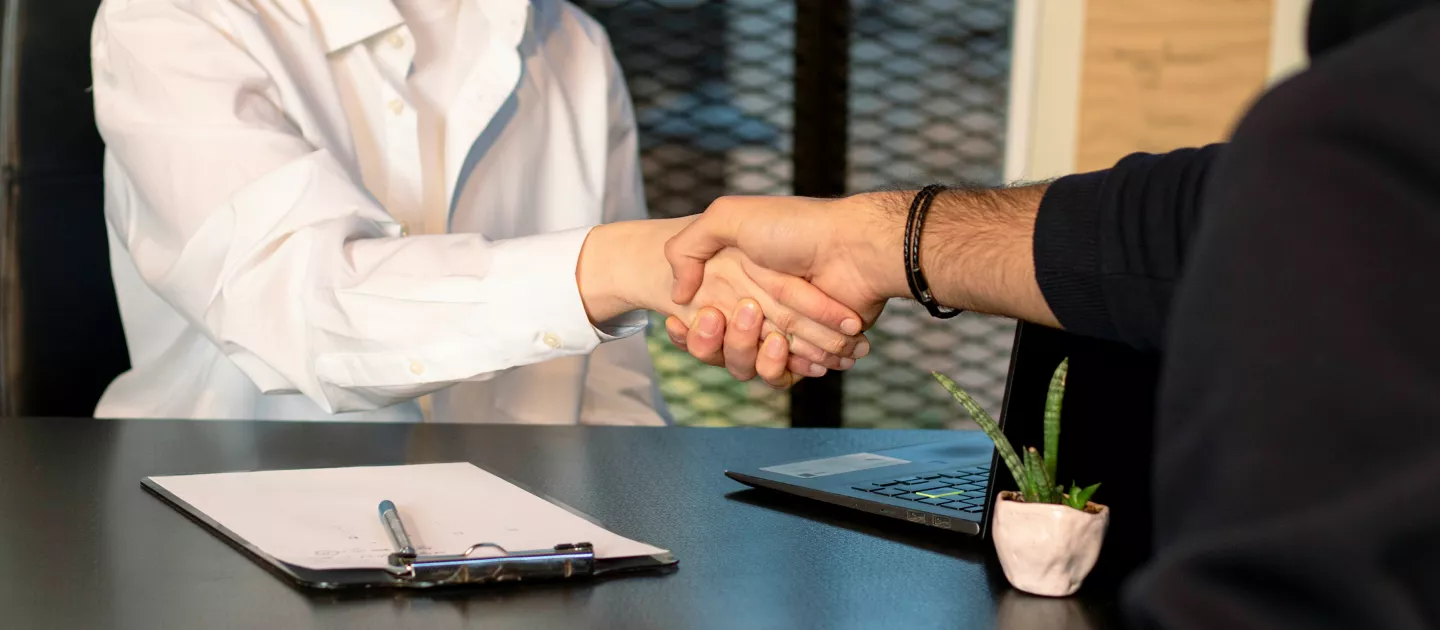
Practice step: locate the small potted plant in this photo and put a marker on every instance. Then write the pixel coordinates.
(1048, 539)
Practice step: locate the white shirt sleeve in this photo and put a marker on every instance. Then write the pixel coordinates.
(620, 385)
(266, 242)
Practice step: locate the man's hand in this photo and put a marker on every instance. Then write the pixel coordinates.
(976, 248)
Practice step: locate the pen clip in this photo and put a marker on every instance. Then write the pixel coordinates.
(395, 529)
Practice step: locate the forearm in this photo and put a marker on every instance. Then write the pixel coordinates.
(1097, 253)
(976, 249)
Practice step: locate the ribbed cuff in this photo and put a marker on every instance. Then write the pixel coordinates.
(1067, 257)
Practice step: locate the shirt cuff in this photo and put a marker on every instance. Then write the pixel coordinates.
(1067, 258)
(536, 290)
(622, 326)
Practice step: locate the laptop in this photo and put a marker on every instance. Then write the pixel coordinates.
(950, 484)
(941, 484)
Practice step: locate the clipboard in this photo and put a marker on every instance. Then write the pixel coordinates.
(565, 560)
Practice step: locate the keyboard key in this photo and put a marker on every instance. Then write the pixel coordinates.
(889, 492)
(953, 493)
(908, 480)
(928, 476)
(956, 505)
(922, 486)
(974, 509)
(886, 483)
(980, 469)
(975, 500)
(935, 501)
(972, 487)
(911, 496)
(869, 487)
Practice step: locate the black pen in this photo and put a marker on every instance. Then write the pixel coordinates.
(390, 517)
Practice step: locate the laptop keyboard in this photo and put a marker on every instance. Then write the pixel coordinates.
(962, 489)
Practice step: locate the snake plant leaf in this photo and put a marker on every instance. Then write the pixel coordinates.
(1037, 491)
(989, 426)
(1084, 495)
(1053, 399)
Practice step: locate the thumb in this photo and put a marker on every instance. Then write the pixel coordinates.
(687, 251)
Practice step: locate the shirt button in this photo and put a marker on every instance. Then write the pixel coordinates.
(404, 228)
(395, 40)
(416, 368)
(552, 341)
(397, 106)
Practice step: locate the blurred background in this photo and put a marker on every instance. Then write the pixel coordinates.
(806, 97)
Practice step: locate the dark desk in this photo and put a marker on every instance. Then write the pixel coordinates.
(82, 546)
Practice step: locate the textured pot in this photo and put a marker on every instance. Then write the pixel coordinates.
(1047, 549)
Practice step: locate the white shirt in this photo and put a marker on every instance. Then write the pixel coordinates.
(273, 252)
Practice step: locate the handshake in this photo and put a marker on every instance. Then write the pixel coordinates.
(784, 287)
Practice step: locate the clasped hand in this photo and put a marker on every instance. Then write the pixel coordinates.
(776, 287)
(821, 266)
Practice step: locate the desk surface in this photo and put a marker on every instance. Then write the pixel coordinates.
(82, 546)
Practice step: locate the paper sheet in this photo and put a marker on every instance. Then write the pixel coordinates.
(329, 518)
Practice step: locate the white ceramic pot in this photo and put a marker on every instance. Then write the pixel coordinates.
(1047, 549)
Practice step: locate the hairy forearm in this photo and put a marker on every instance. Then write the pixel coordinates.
(976, 249)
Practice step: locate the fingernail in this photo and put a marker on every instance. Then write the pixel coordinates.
(850, 326)
(709, 325)
(749, 316)
(846, 363)
(817, 370)
(862, 349)
(775, 347)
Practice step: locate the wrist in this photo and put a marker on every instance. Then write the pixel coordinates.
(622, 268)
(976, 251)
(599, 273)
(877, 239)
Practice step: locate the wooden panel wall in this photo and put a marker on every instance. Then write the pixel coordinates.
(1162, 74)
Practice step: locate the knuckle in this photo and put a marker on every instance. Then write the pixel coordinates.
(672, 251)
(786, 291)
(784, 319)
(721, 204)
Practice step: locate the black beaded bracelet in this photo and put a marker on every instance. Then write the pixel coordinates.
(919, 287)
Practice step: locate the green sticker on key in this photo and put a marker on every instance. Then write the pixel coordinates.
(936, 496)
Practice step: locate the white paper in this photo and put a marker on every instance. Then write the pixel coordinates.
(835, 465)
(329, 518)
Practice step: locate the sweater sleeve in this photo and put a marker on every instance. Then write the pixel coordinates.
(1110, 245)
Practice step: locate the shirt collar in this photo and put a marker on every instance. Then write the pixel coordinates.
(345, 22)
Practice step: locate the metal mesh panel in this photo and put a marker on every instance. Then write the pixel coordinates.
(929, 84)
(712, 83)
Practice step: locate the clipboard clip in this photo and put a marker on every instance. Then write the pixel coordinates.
(563, 561)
